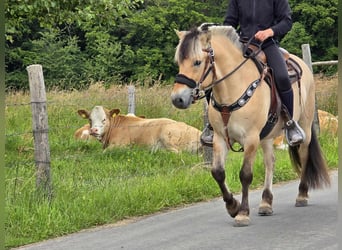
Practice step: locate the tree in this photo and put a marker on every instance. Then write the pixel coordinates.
(318, 20)
(37, 29)
(118, 41)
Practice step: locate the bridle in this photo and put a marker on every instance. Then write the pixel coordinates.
(198, 91)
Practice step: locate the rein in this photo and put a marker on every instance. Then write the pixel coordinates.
(199, 93)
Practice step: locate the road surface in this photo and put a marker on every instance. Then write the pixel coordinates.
(207, 226)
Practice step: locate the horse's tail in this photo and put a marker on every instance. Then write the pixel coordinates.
(315, 173)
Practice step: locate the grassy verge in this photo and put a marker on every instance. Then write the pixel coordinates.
(93, 188)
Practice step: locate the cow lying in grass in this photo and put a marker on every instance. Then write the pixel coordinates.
(83, 133)
(116, 130)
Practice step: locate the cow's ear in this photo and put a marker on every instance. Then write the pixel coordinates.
(83, 113)
(114, 112)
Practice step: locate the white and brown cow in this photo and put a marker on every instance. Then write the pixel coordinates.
(83, 133)
(116, 130)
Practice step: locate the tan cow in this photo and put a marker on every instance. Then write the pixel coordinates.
(83, 133)
(328, 123)
(115, 130)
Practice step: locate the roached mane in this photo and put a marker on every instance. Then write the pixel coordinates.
(190, 47)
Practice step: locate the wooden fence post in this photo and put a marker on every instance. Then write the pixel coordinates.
(307, 59)
(40, 129)
(131, 99)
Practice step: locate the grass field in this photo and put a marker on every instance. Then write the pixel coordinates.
(91, 187)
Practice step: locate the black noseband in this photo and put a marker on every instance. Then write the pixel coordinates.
(180, 78)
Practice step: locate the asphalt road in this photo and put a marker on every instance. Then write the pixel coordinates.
(207, 226)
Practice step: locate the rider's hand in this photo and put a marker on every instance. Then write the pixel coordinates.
(262, 35)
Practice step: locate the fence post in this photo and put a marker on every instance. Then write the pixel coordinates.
(307, 59)
(208, 151)
(40, 129)
(131, 99)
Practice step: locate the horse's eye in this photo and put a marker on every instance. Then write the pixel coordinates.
(197, 63)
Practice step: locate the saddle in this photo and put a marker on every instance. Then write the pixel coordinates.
(294, 71)
(293, 68)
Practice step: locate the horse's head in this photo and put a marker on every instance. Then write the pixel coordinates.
(191, 61)
(195, 58)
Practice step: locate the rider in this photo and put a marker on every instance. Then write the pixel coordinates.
(266, 21)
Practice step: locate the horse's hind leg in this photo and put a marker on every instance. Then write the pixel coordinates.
(314, 170)
(265, 207)
(303, 188)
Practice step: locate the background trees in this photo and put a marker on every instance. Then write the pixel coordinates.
(118, 41)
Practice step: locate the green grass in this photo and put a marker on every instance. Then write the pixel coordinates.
(91, 187)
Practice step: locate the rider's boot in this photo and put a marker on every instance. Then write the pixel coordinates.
(207, 136)
(293, 132)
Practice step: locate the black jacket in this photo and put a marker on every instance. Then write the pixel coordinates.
(250, 16)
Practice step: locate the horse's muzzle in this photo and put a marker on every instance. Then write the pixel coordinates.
(182, 99)
(181, 103)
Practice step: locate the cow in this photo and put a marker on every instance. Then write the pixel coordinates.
(113, 129)
(328, 123)
(83, 133)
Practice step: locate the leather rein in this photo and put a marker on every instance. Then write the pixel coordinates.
(224, 109)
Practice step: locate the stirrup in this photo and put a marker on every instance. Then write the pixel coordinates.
(294, 134)
(207, 136)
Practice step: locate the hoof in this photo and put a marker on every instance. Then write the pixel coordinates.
(233, 210)
(265, 210)
(241, 220)
(301, 202)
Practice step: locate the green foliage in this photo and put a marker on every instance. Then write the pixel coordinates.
(296, 37)
(319, 19)
(104, 57)
(123, 41)
(60, 59)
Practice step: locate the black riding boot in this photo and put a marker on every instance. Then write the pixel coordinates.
(207, 136)
(293, 132)
(208, 133)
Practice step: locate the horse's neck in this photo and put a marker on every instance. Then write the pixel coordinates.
(233, 86)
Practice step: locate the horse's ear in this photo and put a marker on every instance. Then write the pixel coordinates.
(180, 34)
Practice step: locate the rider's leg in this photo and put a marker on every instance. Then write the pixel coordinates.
(294, 134)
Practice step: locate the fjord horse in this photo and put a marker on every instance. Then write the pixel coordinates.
(211, 57)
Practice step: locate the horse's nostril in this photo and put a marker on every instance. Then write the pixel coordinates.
(177, 101)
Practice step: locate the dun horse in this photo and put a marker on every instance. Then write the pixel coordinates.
(212, 57)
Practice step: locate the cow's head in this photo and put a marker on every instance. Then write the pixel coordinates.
(99, 120)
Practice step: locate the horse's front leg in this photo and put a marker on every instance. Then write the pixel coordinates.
(265, 207)
(246, 177)
(218, 172)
